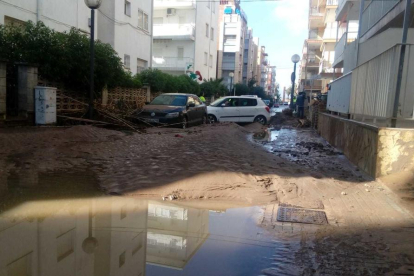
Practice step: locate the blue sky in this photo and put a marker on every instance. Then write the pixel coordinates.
(282, 27)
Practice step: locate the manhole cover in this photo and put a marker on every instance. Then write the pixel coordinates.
(301, 215)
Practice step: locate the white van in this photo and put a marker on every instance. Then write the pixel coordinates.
(239, 109)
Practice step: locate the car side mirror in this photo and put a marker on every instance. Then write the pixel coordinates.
(191, 105)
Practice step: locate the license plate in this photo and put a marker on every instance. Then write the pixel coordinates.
(152, 120)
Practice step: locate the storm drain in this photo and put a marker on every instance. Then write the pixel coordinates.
(297, 215)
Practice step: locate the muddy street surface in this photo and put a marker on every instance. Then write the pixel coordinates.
(218, 199)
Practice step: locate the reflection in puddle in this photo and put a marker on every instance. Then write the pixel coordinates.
(125, 236)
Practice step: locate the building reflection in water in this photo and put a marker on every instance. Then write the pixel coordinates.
(104, 236)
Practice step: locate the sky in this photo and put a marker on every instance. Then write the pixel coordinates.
(282, 26)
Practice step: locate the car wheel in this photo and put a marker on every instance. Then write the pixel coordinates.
(184, 123)
(260, 119)
(212, 118)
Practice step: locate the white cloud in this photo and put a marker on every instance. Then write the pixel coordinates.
(293, 14)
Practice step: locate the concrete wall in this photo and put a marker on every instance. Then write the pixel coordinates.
(2, 90)
(395, 150)
(376, 151)
(27, 80)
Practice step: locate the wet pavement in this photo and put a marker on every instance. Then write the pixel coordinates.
(306, 148)
(99, 235)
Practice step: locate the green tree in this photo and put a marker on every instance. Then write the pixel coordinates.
(213, 87)
(63, 57)
(242, 89)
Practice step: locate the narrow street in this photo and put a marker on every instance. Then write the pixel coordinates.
(246, 171)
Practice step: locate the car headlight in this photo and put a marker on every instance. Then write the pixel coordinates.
(173, 115)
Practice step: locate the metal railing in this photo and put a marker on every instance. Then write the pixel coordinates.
(314, 11)
(333, 2)
(340, 94)
(172, 63)
(374, 85)
(173, 30)
(374, 12)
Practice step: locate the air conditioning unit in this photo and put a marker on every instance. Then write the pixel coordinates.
(171, 12)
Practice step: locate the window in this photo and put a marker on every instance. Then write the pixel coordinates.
(205, 58)
(197, 101)
(180, 53)
(21, 266)
(190, 101)
(230, 102)
(211, 61)
(127, 9)
(145, 21)
(140, 19)
(212, 34)
(141, 65)
(65, 244)
(207, 29)
(127, 61)
(248, 102)
(121, 261)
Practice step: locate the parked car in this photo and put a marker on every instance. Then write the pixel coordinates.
(276, 105)
(239, 109)
(181, 110)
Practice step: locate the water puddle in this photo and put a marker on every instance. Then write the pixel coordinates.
(85, 233)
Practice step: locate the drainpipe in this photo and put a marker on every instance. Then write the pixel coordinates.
(152, 32)
(406, 24)
(38, 10)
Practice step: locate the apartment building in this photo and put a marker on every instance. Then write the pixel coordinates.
(262, 67)
(256, 59)
(271, 80)
(370, 49)
(185, 37)
(318, 49)
(231, 42)
(125, 25)
(249, 56)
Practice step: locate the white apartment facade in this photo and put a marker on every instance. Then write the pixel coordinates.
(185, 37)
(124, 24)
(369, 51)
(249, 57)
(232, 30)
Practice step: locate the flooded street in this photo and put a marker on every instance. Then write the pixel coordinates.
(123, 236)
(238, 200)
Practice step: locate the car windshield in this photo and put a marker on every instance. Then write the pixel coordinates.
(217, 102)
(174, 100)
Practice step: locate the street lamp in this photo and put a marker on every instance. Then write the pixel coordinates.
(92, 4)
(295, 59)
(231, 75)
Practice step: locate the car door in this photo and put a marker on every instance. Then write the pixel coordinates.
(201, 108)
(229, 110)
(247, 109)
(191, 111)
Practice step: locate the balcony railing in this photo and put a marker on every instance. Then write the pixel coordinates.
(174, 31)
(172, 63)
(315, 12)
(374, 12)
(374, 85)
(333, 2)
(339, 95)
(163, 4)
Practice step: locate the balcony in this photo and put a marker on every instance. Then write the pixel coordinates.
(174, 31)
(312, 85)
(340, 47)
(325, 67)
(176, 4)
(332, 2)
(172, 63)
(315, 18)
(374, 12)
(374, 85)
(310, 60)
